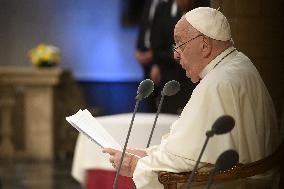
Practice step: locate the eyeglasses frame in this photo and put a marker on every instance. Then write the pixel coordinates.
(174, 48)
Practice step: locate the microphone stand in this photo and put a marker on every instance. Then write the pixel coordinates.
(208, 135)
(222, 125)
(224, 162)
(154, 125)
(144, 90)
(212, 174)
(125, 145)
(153, 128)
(170, 88)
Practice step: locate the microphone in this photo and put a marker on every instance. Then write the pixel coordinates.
(224, 162)
(170, 88)
(145, 88)
(222, 125)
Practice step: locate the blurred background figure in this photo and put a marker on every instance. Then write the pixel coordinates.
(154, 50)
(143, 53)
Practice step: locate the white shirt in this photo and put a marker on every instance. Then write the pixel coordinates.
(230, 85)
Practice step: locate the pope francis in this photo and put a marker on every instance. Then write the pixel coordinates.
(229, 84)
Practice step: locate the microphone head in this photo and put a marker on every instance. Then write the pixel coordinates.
(227, 160)
(223, 124)
(145, 88)
(171, 88)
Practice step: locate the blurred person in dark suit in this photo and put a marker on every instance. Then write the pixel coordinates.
(143, 53)
(164, 67)
(154, 50)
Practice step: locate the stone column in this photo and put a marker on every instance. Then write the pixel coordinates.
(38, 85)
(6, 145)
(39, 122)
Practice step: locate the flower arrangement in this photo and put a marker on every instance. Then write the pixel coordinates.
(44, 55)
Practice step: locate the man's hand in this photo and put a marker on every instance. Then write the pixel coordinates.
(155, 74)
(144, 57)
(129, 161)
(137, 152)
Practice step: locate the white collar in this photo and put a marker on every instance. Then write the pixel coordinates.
(216, 61)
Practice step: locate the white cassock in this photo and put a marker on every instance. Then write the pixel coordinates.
(230, 85)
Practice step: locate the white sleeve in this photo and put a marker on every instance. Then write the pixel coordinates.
(146, 173)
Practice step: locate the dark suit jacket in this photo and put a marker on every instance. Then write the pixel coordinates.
(145, 24)
(162, 41)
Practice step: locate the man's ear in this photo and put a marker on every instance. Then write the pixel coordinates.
(206, 47)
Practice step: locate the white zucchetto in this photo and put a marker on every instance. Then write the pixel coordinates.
(209, 22)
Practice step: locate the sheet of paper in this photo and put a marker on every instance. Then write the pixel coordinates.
(85, 123)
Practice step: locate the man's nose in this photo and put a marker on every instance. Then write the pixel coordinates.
(176, 56)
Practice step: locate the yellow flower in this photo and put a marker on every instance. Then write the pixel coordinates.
(44, 54)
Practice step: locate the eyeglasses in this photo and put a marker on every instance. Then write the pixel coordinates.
(174, 48)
